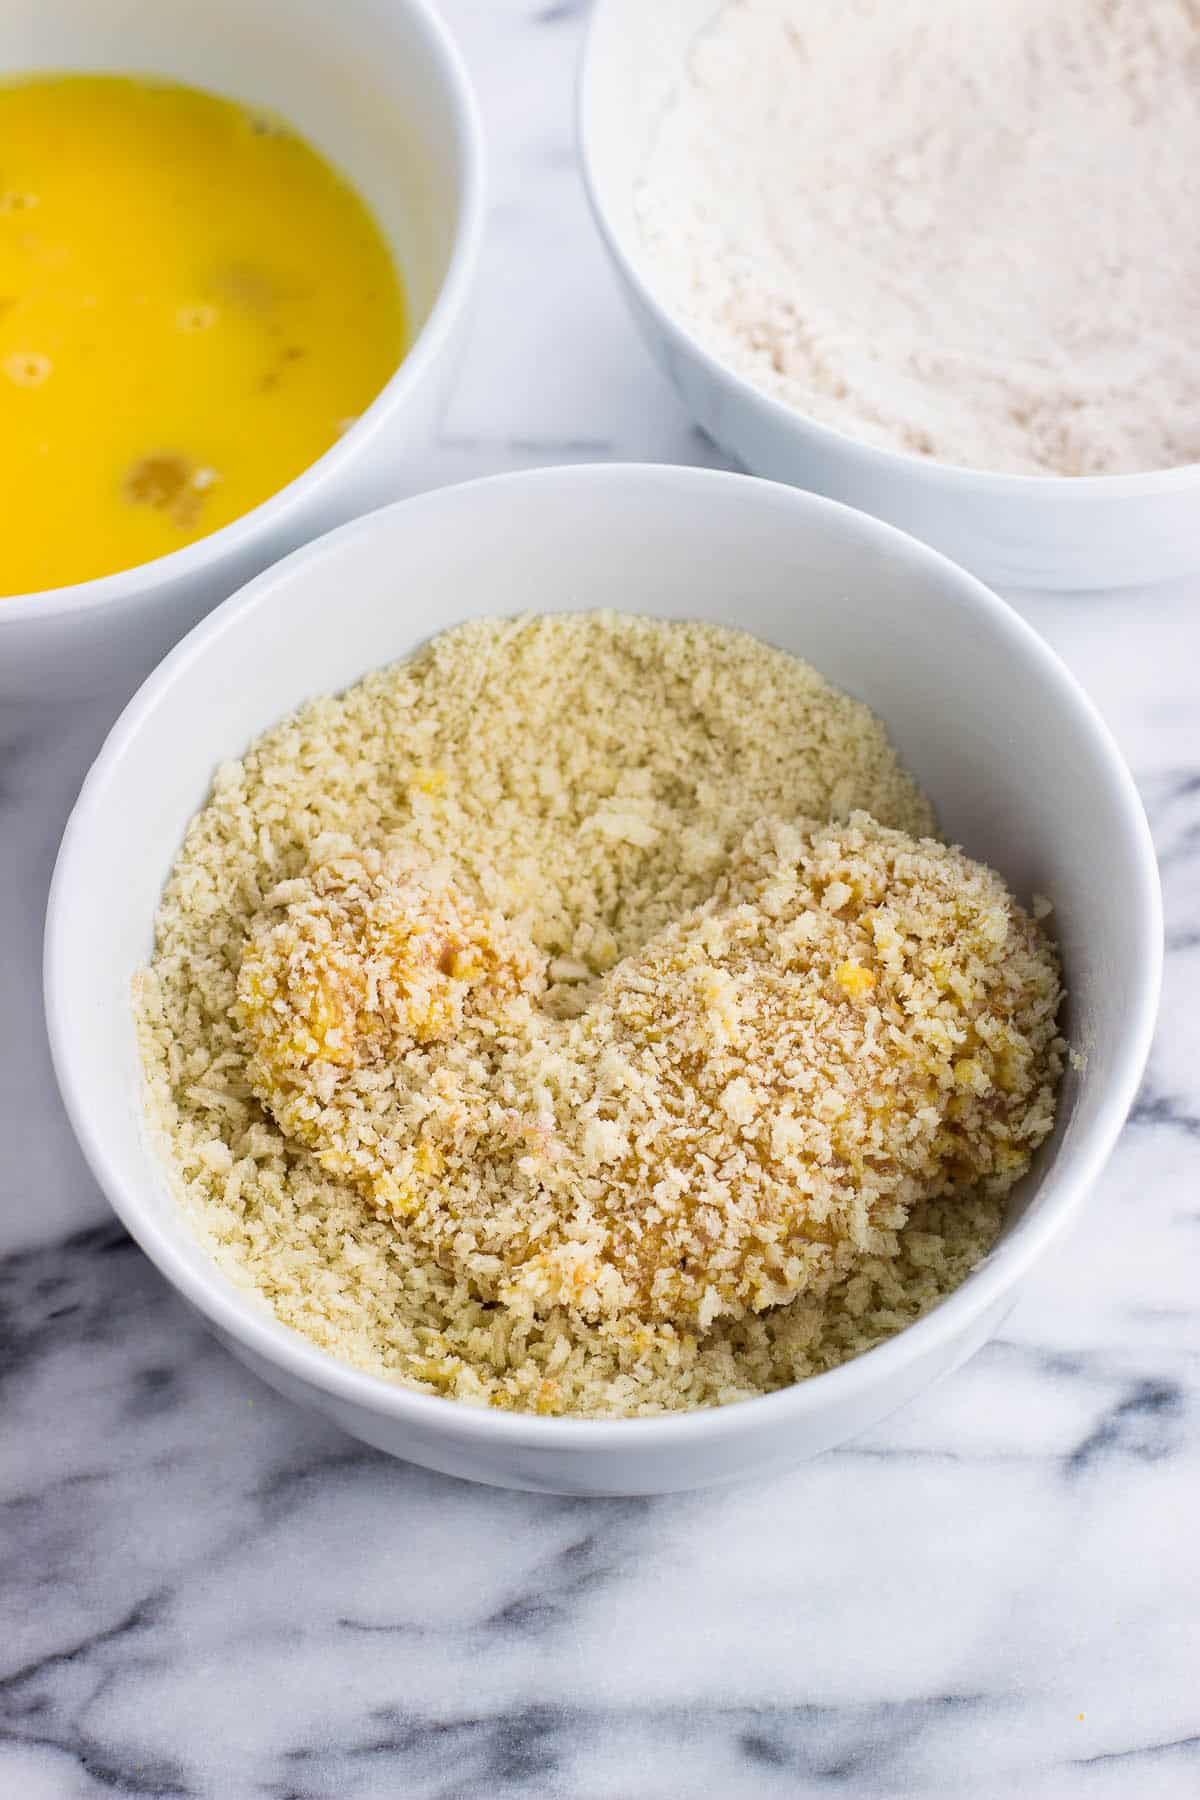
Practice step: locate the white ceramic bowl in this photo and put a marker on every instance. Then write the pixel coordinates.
(1016, 531)
(1014, 756)
(381, 91)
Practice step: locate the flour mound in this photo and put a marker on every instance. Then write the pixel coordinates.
(968, 232)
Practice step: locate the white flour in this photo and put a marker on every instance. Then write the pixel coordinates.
(965, 228)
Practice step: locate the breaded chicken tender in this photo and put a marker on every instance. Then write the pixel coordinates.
(743, 1109)
(351, 968)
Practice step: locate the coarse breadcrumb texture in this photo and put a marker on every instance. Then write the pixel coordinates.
(753, 1101)
(599, 1074)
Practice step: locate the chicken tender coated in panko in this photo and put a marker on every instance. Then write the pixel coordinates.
(857, 1021)
(346, 971)
(748, 1105)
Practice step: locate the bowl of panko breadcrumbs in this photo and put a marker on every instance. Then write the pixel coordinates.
(604, 979)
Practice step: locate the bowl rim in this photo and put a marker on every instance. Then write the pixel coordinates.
(448, 303)
(960, 478)
(244, 1318)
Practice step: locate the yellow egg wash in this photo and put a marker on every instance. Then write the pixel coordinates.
(193, 306)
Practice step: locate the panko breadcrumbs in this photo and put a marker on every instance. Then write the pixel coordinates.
(581, 1016)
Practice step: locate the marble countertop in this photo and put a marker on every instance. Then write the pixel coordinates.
(207, 1592)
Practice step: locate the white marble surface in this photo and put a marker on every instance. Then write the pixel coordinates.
(204, 1591)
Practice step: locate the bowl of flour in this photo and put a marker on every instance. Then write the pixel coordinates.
(936, 262)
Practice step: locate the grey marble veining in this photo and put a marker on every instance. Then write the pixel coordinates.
(205, 1592)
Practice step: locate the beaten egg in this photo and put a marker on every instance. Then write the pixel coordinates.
(193, 306)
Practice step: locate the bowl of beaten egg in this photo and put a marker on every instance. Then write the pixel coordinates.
(482, 789)
(233, 278)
